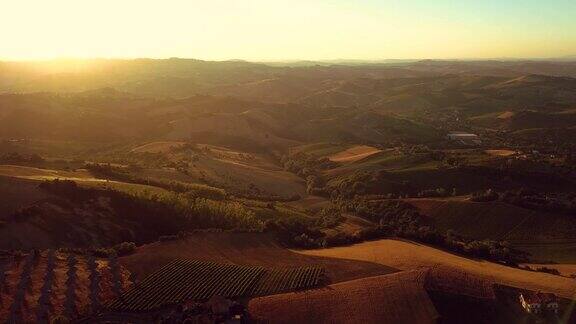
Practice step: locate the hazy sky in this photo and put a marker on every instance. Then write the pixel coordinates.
(287, 30)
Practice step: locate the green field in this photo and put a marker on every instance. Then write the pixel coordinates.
(319, 150)
(547, 237)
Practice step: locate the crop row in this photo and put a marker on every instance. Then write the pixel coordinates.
(188, 280)
(282, 280)
(44, 284)
(459, 282)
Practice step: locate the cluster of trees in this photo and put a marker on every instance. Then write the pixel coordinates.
(197, 190)
(401, 219)
(438, 192)
(307, 232)
(328, 217)
(367, 182)
(124, 174)
(392, 218)
(15, 157)
(166, 213)
(362, 182)
(304, 231)
(542, 269)
(302, 163)
(382, 211)
(485, 196)
(122, 249)
(522, 171)
(531, 199)
(498, 251)
(308, 167)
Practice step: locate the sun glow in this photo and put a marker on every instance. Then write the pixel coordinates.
(271, 30)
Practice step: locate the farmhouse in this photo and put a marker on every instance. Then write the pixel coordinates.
(539, 302)
(464, 138)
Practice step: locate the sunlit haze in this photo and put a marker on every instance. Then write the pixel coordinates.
(287, 30)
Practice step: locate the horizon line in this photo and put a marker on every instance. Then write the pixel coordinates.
(301, 60)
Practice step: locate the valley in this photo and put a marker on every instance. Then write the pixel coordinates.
(423, 187)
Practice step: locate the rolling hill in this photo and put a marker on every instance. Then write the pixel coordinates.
(250, 249)
(34, 218)
(406, 255)
(395, 298)
(546, 236)
(206, 161)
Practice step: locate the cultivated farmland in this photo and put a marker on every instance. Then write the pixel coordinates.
(394, 298)
(42, 285)
(247, 249)
(354, 154)
(546, 236)
(183, 280)
(495, 220)
(408, 256)
(282, 280)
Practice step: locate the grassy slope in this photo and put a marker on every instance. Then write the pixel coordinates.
(408, 255)
(57, 222)
(354, 153)
(546, 236)
(97, 223)
(417, 171)
(319, 149)
(82, 177)
(157, 147)
(17, 193)
(232, 169)
(41, 174)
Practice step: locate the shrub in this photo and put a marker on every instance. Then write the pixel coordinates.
(548, 270)
(165, 238)
(484, 196)
(125, 248)
(373, 233)
(439, 192)
(60, 319)
(304, 241)
(103, 252)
